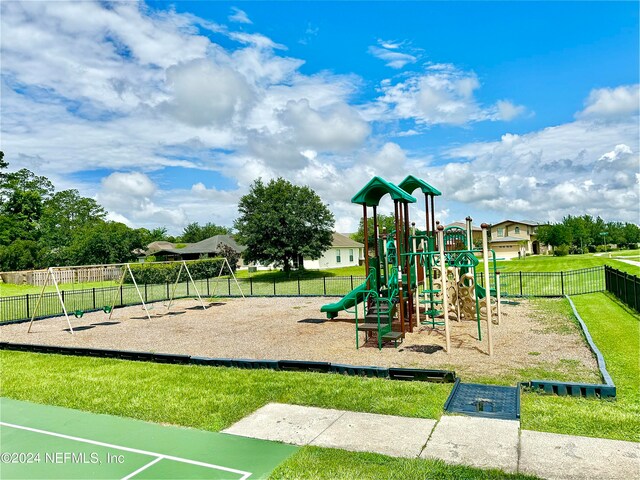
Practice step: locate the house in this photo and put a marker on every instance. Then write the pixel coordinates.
(209, 247)
(516, 238)
(344, 252)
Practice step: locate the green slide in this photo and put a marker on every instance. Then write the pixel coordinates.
(482, 292)
(348, 301)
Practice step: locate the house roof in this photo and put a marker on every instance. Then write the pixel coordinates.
(342, 241)
(160, 245)
(508, 239)
(208, 245)
(410, 183)
(377, 188)
(464, 226)
(522, 222)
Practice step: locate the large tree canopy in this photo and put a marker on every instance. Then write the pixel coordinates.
(281, 223)
(195, 232)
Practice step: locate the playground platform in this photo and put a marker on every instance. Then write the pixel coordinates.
(487, 443)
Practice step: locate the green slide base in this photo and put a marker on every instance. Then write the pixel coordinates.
(348, 301)
(40, 441)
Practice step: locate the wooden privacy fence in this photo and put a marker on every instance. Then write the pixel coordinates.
(624, 286)
(64, 275)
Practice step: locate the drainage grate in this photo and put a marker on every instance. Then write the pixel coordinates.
(484, 401)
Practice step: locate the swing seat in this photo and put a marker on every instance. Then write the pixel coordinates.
(78, 313)
(107, 309)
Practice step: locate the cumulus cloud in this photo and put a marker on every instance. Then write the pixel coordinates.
(206, 94)
(337, 128)
(575, 168)
(612, 103)
(129, 198)
(443, 94)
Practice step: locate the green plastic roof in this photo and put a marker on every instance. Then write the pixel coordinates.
(410, 183)
(377, 188)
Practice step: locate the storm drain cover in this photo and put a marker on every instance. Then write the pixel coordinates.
(491, 401)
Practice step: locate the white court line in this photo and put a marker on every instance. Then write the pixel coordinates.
(144, 467)
(244, 475)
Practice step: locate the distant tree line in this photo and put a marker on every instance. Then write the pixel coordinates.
(585, 234)
(40, 227)
(279, 223)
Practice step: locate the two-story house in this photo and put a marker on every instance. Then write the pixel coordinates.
(515, 239)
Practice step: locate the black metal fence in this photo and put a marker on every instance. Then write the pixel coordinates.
(624, 286)
(512, 284)
(552, 284)
(22, 307)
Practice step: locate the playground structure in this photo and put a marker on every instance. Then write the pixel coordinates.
(419, 278)
(73, 302)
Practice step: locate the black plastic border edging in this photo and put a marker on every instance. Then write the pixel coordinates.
(442, 376)
(608, 390)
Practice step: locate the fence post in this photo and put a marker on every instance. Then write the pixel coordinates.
(351, 282)
(324, 284)
(274, 286)
(167, 291)
(94, 298)
(146, 299)
(229, 285)
(521, 284)
(251, 286)
(27, 303)
(121, 297)
(562, 282)
(187, 282)
(635, 294)
(208, 292)
(298, 285)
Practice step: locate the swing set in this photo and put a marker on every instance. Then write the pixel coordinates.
(76, 304)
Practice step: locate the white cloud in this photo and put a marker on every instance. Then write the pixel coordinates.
(575, 168)
(239, 16)
(442, 94)
(337, 128)
(206, 94)
(612, 103)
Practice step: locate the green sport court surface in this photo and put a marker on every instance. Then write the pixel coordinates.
(40, 441)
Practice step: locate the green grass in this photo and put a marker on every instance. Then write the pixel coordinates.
(326, 463)
(201, 397)
(549, 263)
(616, 332)
(214, 398)
(10, 289)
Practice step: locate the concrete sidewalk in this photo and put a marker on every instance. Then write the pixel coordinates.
(472, 441)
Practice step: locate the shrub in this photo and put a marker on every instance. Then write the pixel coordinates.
(561, 250)
(601, 248)
(592, 249)
(151, 273)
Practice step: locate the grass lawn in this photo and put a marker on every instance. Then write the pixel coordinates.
(326, 463)
(549, 263)
(214, 398)
(10, 289)
(616, 332)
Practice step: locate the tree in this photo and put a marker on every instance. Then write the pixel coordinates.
(281, 223)
(194, 232)
(384, 222)
(104, 242)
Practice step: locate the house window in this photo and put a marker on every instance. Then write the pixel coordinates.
(517, 230)
(338, 259)
(501, 232)
(351, 255)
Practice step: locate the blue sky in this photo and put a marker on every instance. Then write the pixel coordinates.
(166, 112)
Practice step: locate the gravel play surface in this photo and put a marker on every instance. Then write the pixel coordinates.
(294, 328)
